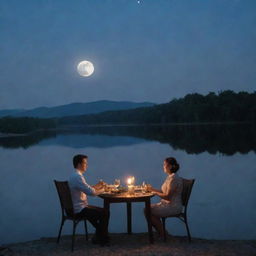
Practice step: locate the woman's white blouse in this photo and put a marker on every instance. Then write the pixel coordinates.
(172, 205)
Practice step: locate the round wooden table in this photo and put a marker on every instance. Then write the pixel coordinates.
(129, 199)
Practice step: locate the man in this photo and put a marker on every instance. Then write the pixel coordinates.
(79, 188)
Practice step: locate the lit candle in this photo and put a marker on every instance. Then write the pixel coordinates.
(129, 181)
(130, 185)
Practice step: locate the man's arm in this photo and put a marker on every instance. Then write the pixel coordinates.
(99, 185)
(82, 185)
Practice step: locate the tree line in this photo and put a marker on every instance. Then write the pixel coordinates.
(226, 106)
(25, 124)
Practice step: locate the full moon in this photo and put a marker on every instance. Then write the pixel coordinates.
(85, 68)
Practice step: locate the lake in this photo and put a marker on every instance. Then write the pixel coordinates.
(220, 157)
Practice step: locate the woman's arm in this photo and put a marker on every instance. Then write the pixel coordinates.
(155, 190)
(170, 191)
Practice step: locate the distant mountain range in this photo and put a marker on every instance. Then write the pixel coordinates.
(74, 109)
(226, 106)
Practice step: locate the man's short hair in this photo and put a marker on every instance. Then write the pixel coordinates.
(78, 159)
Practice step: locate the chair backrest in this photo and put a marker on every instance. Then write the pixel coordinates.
(186, 191)
(65, 197)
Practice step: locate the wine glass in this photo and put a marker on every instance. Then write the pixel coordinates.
(144, 187)
(117, 183)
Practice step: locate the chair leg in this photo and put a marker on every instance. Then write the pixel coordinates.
(73, 236)
(61, 225)
(86, 230)
(186, 223)
(163, 223)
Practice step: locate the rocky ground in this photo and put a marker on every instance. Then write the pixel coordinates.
(136, 244)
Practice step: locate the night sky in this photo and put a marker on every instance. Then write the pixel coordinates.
(150, 51)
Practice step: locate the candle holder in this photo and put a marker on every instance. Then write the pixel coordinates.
(130, 185)
(131, 189)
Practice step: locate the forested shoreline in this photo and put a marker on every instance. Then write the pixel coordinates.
(25, 124)
(224, 107)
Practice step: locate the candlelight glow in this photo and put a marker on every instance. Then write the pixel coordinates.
(131, 180)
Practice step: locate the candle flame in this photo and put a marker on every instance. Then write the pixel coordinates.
(131, 180)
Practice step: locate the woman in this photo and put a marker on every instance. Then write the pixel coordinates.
(170, 194)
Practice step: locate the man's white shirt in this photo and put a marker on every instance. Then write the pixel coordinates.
(79, 190)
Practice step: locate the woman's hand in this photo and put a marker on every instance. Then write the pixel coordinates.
(155, 190)
(156, 193)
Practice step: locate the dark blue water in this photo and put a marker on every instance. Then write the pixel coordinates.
(221, 159)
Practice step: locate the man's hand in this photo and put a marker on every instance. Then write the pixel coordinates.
(99, 185)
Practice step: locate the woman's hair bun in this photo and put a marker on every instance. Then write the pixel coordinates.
(173, 162)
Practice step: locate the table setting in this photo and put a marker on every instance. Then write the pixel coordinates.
(128, 194)
(128, 190)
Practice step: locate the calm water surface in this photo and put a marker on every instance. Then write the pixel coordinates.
(220, 158)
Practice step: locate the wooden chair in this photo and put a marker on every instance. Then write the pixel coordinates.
(67, 210)
(187, 188)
